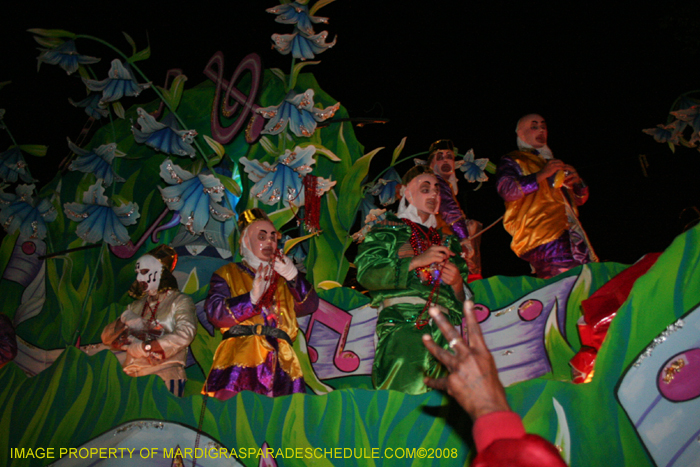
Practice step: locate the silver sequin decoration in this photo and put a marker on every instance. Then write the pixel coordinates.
(172, 173)
(215, 189)
(140, 426)
(84, 215)
(659, 340)
(275, 195)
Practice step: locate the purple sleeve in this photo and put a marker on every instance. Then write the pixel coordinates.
(450, 211)
(223, 310)
(305, 297)
(512, 184)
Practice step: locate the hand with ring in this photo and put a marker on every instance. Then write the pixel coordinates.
(473, 379)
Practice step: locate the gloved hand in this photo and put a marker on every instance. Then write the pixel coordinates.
(135, 349)
(285, 267)
(135, 323)
(260, 283)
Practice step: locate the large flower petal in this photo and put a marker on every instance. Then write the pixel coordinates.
(120, 83)
(385, 188)
(299, 112)
(302, 46)
(13, 166)
(474, 169)
(92, 106)
(164, 137)
(97, 161)
(195, 197)
(66, 56)
(19, 212)
(667, 133)
(284, 179)
(297, 14)
(99, 220)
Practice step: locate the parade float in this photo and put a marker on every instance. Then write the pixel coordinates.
(170, 160)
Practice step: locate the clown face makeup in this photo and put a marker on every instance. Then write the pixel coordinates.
(261, 238)
(532, 130)
(148, 273)
(443, 162)
(423, 193)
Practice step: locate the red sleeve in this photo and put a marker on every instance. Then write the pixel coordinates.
(501, 441)
(496, 425)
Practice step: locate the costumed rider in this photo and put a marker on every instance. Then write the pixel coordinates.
(157, 328)
(441, 158)
(255, 303)
(408, 264)
(541, 195)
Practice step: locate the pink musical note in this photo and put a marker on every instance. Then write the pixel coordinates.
(224, 135)
(129, 250)
(339, 321)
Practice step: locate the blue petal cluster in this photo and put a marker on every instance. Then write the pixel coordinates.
(303, 43)
(667, 133)
(13, 166)
(20, 212)
(690, 115)
(474, 168)
(99, 220)
(385, 188)
(120, 83)
(164, 137)
(302, 46)
(92, 105)
(284, 179)
(195, 197)
(299, 112)
(298, 15)
(66, 56)
(97, 161)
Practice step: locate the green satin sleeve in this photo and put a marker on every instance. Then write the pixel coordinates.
(385, 275)
(378, 263)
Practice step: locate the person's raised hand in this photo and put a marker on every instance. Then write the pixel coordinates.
(473, 379)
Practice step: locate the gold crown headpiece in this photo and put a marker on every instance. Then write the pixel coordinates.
(249, 216)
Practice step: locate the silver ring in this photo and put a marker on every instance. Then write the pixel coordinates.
(453, 342)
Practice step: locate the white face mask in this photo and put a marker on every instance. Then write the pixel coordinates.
(148, 272)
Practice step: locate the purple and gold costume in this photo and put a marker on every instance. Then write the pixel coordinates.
(258, 363)
(542, 220)
(450, 211)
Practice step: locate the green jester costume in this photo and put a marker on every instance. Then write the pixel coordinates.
(401, 360)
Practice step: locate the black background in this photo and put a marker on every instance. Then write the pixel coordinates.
(442, 69)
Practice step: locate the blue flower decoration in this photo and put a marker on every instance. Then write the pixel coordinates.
(195, 197)
(297, 14)
(299, 112)
(97, 162)
(374, 217)
(667, 133)
(66, 56)
(690, 115)
(284, 179)
(120, 83)
(164, 137)
(19, 212)
(302, 46)
(474, 168)
(13, 166)
(99, 220)
(92, 105)
(385, 188)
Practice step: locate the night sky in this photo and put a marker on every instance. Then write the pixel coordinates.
(460, 70)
